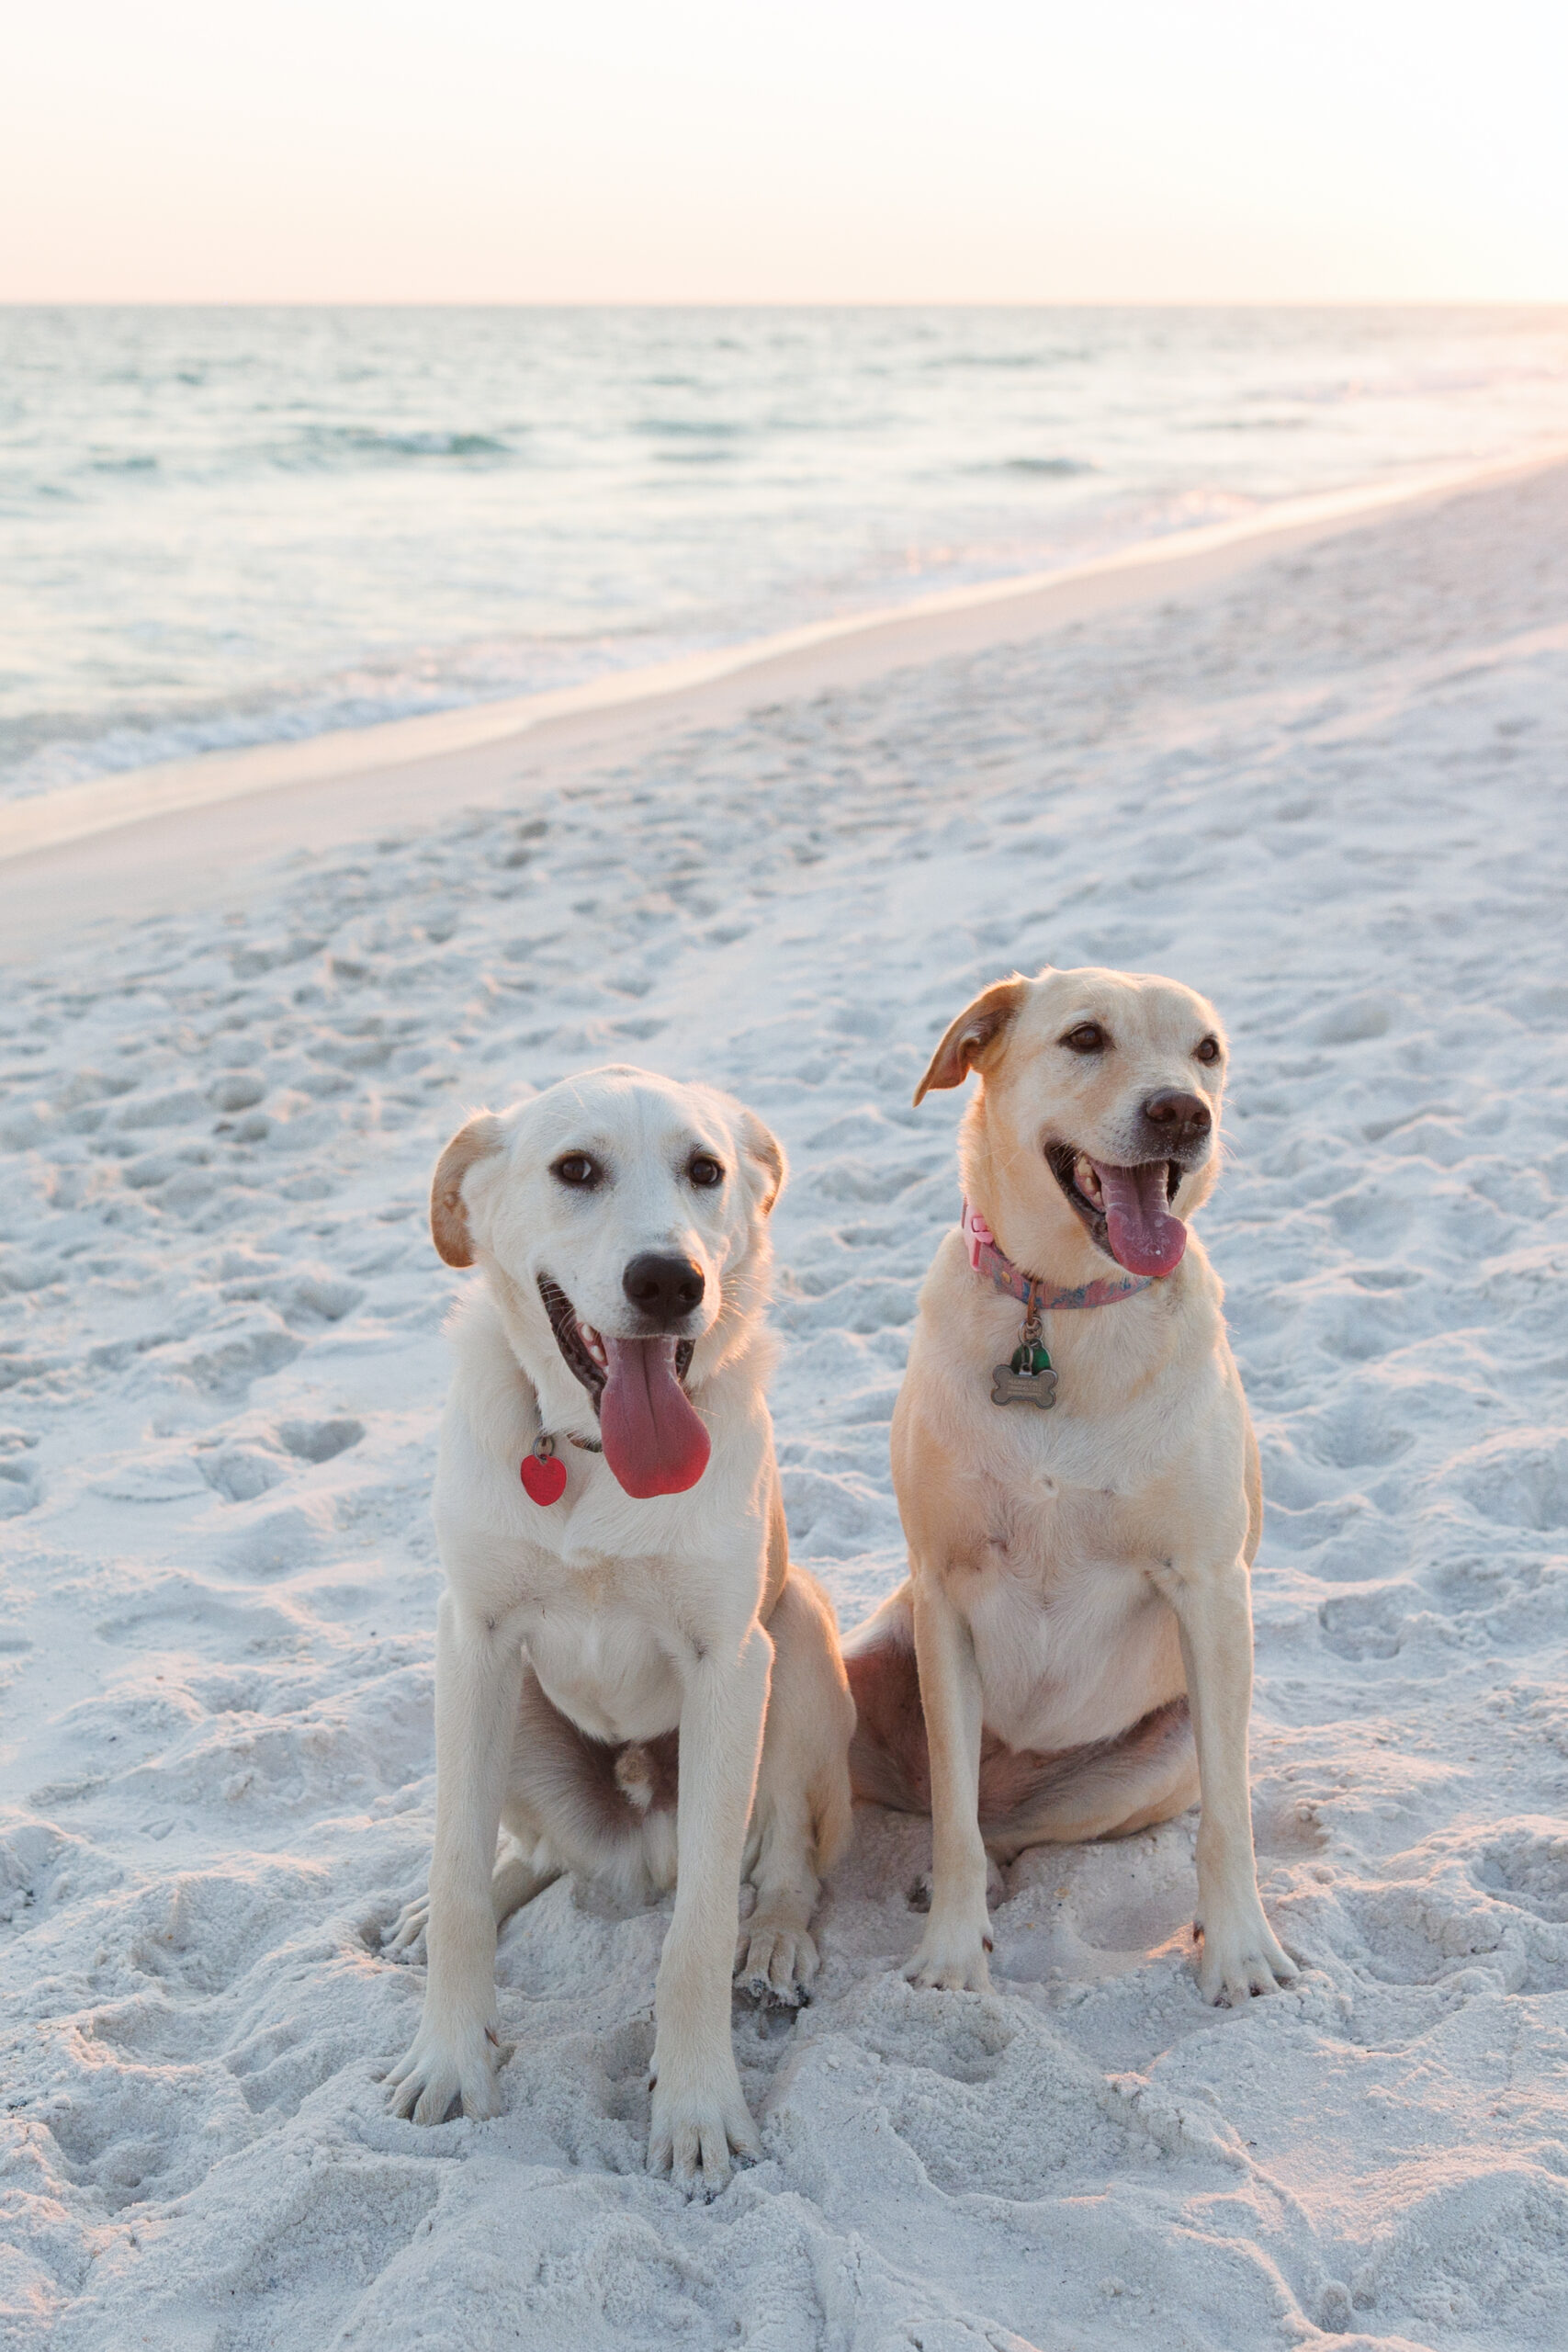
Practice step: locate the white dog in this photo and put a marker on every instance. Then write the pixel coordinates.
(1076, 1475)
(626, 1666)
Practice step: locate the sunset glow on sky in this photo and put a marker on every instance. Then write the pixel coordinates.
(332, 150)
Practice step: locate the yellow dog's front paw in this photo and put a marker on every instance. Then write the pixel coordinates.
(952, 1958)
(1241, 1956)
(442, 2068)
(696, 2125)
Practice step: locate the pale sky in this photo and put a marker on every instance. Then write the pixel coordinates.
(674, 151)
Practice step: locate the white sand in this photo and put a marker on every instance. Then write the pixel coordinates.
(1327, 790)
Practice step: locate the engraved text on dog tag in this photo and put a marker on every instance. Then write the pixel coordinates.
(1027, 1380)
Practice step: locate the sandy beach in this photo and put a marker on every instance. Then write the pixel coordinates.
(1321, 779)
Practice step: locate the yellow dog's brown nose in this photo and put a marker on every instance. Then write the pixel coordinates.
(1177, 1121)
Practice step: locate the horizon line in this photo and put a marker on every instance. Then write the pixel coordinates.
(770, 302)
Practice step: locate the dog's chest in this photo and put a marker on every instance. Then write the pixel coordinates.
(1072, 1640)
(602, 1667)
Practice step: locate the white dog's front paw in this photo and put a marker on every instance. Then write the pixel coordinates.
(441, 2067)
(1241, 1955)
(404, 1939)
(698, 2123)
(951, 1957)
(776, 1962)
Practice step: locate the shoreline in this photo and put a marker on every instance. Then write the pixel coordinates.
(202, 830)
(74, 812)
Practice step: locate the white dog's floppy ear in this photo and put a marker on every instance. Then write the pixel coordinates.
(967, 1044)
(448, 1213)
(761, 1145)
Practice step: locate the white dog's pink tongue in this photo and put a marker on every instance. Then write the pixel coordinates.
(1145, 1237)
(654, 1441)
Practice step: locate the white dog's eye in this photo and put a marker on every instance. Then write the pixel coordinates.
(1089, 1037)
(704, 1171)
(578, 1170)
(1209, 1051)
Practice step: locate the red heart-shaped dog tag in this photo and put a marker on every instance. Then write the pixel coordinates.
(543, 1481)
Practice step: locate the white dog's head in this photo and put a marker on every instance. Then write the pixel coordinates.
(1099, 1114)
(622, 1219)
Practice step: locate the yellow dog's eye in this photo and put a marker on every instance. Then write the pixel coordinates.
(704, 1171)
(1209, 1051)
(1089, 1037)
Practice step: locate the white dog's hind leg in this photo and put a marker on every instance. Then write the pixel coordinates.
(457, 2047)
(514, 1881)
(802, 1815)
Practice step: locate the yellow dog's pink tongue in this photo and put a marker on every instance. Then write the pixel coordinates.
(1145, 1237)
(654, 1441)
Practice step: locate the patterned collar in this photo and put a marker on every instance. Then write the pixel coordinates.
(1036, 1296)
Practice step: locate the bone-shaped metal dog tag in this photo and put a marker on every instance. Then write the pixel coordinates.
(1009, 1388)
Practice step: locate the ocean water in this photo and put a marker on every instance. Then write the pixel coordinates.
(230, 527)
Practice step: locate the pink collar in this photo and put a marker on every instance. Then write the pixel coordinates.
(987, 1258)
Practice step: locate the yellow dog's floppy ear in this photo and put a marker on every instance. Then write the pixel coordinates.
(448, 1213)
(968, 1042)
(763, 1146)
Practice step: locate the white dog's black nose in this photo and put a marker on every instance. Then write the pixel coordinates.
(1177, 1121)
(663, 1290)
